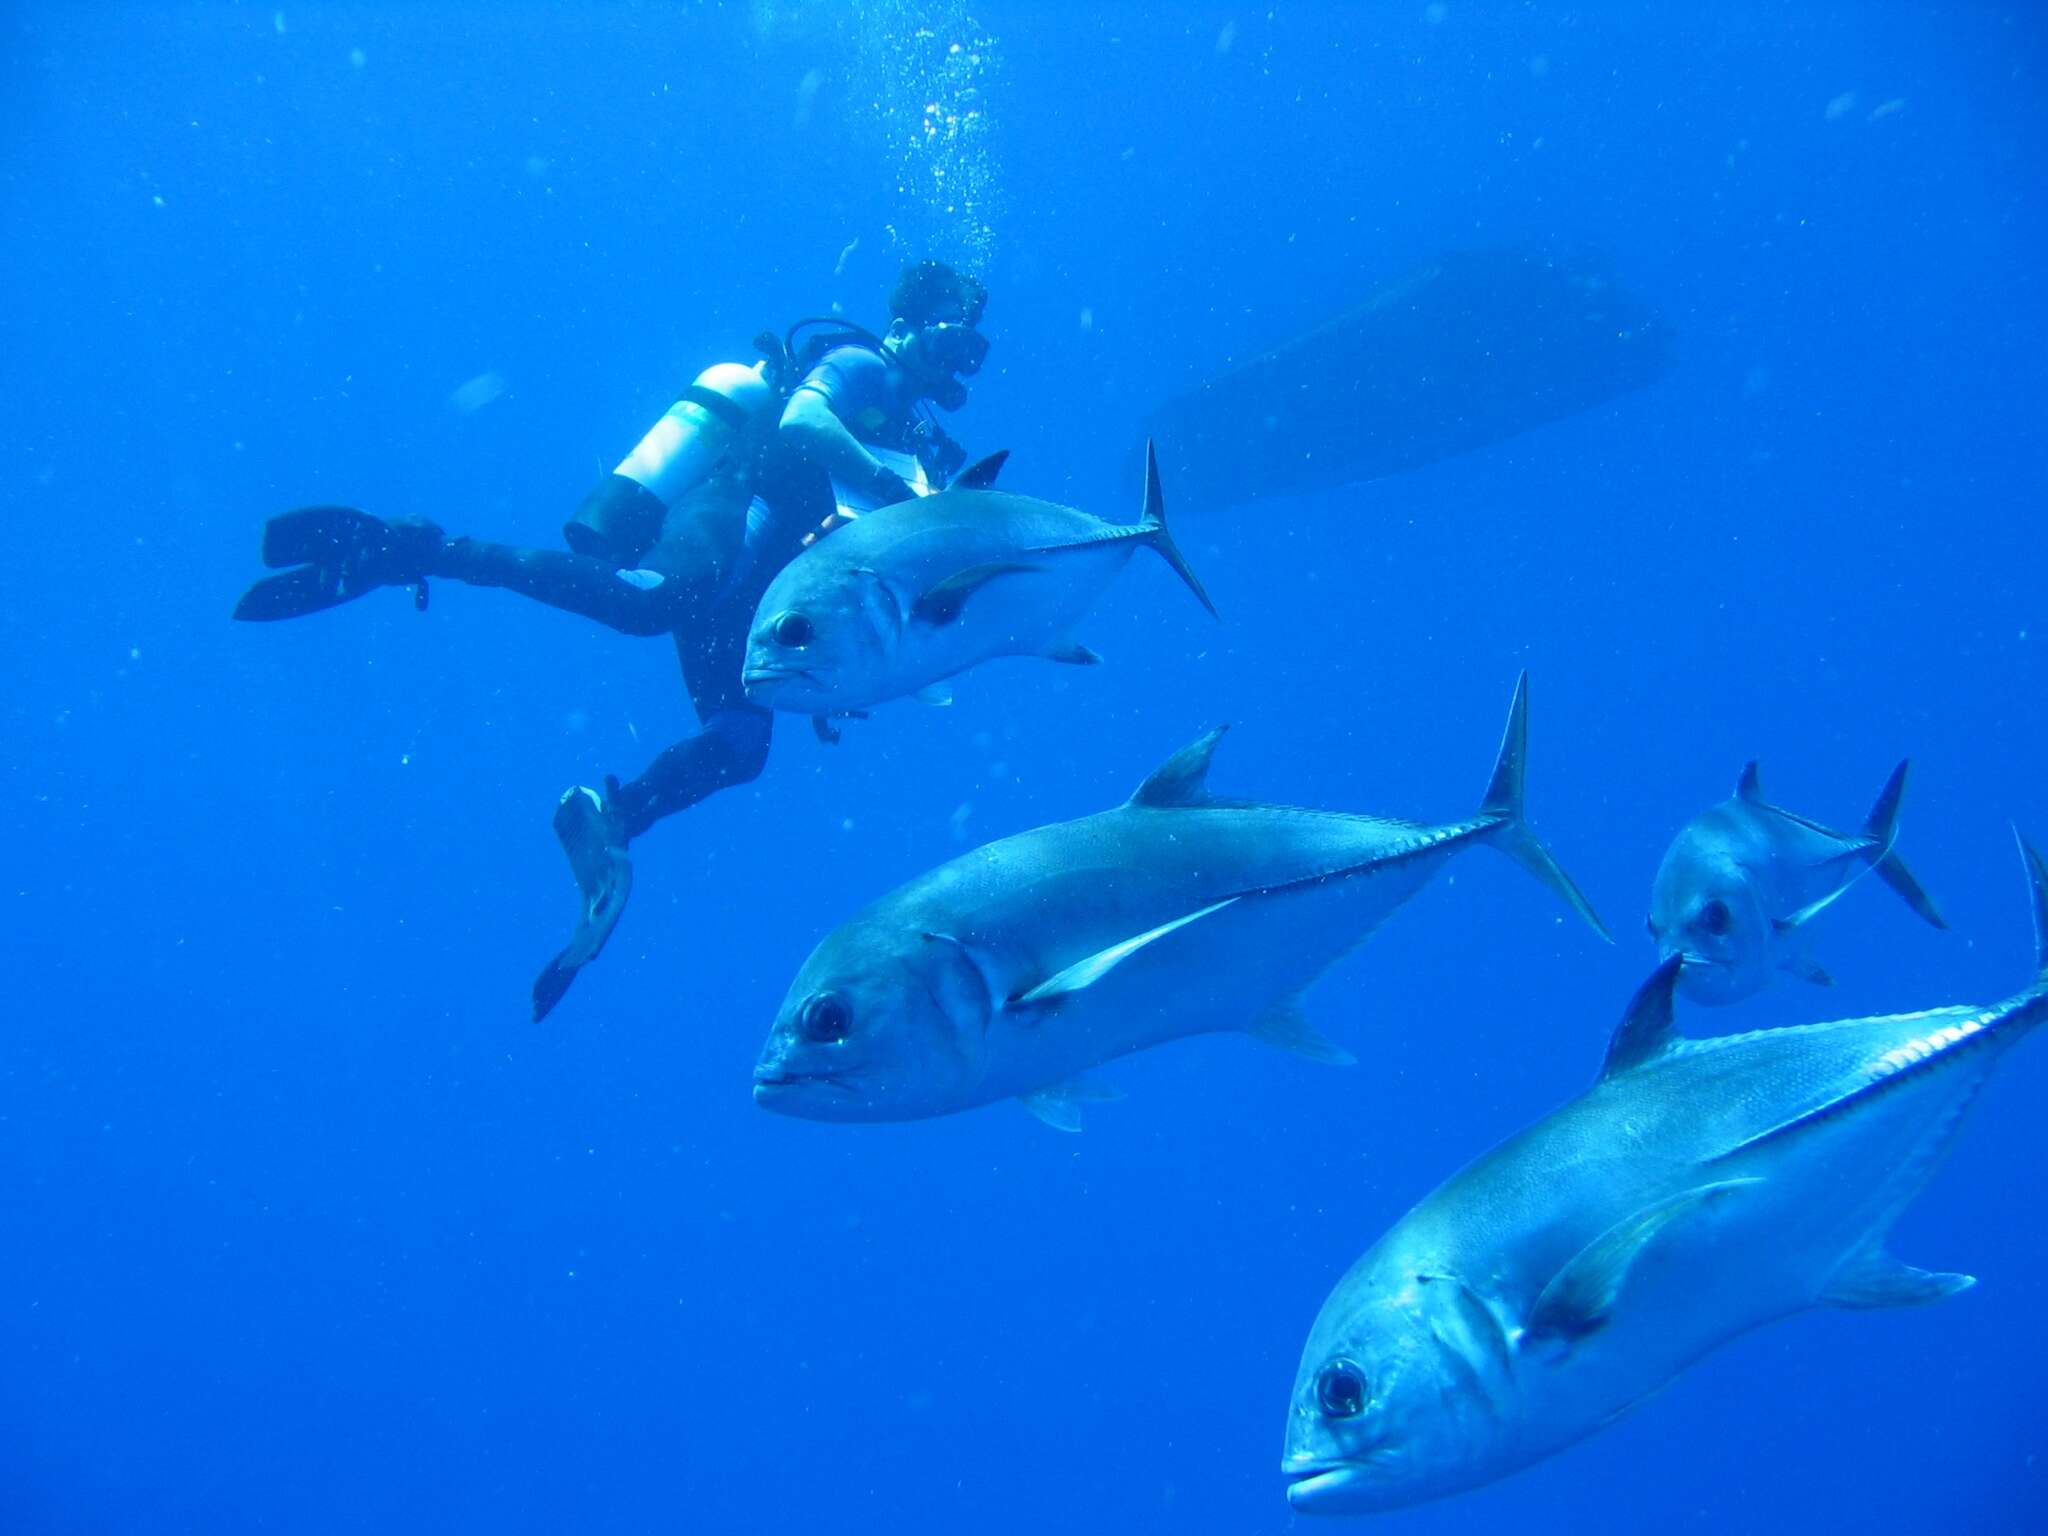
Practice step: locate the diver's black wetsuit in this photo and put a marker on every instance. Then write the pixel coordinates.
(713, 571)
(706, 598)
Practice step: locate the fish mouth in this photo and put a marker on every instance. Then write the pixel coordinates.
(759, 676)
(1322, 1487)
(766, 1084)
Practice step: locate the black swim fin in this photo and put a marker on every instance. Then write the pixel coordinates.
(604, 877)
(337, 554)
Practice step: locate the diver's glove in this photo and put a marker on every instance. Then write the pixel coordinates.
(337, 554)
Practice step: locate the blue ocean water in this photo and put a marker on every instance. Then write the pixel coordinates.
(309, 1229)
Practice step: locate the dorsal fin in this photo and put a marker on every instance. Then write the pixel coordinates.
(1180, 780)
(1646, 1028)
(1749, 788)
(981, 474)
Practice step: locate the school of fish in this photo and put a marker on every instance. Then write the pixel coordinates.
(1699, 1188)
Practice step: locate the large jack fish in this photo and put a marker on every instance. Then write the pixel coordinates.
(1743, 879)
(911, 594)
(1698, 1189)
(1009, 971)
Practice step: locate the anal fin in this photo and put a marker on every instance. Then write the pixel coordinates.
(1873, 1278)
(1285, 1026)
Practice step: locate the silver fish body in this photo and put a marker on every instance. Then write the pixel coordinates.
(1700, 1189)
(1011, 970)
(915, 593)
(1739, 885)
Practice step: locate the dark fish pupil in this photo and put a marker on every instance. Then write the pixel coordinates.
(1715, 917)
(825, 1020)
(1340, 1389)
(793, 630)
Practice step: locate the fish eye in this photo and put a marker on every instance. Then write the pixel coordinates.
(794, 631)
(825, 1019)
(1716, 918)
(1340, 1390)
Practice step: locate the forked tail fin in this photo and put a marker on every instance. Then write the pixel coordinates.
(2037, 884)
(1511, 834)
(1882, 826)
(1153, 521)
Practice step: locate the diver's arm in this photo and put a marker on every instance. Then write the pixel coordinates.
(811, 428)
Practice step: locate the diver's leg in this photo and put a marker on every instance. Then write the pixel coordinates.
(632, 603)
(675, 588)
(731, 748)
(594, 829)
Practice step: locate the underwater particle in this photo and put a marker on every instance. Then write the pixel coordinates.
(846, 252)
(1887, 108)
(1841, 106)
(1539, 66)
(957, 822)
(1757, 380)
(806, 96)
(1435, 14)
(1226, 39)
(536, 165)
(357, 58)
(277, 21)
(157, 199)
(1087, 318)
(477, 393)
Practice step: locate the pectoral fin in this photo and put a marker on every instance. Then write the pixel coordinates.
(1873, 1278)
(1806, 970)
(1792, 922)
(1074, 654)
(941, 604)
(1581, 1296)
(1084, 973)
(1060, 1105)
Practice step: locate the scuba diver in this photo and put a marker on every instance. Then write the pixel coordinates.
(746, 468)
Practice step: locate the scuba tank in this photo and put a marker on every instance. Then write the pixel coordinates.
(620, 520)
